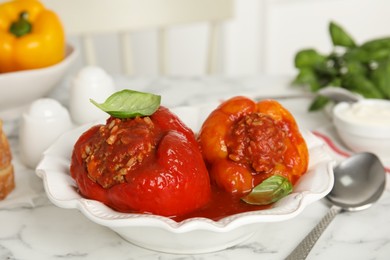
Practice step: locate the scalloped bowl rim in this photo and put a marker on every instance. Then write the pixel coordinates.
(54, 170)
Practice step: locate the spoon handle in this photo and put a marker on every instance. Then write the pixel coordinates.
(303, 248)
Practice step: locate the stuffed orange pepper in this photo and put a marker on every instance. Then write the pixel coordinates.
(244, 143)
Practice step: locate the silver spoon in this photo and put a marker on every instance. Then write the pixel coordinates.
(359, 182)
(338, 94)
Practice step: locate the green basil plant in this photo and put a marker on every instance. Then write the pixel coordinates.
(363, 69)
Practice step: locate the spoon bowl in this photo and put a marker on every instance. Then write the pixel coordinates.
(359, 182)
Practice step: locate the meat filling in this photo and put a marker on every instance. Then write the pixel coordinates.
(257, 141)
(133, 140)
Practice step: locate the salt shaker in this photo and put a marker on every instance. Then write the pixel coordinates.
(42, 123)
(91, 82)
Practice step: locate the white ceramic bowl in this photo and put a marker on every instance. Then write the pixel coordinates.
(364, 132)
(18, 89)
(194, 235)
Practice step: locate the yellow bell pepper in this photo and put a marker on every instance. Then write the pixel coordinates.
(30, 36)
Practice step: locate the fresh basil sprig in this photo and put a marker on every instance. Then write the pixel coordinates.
(269, 191)
(129, 104)
(363, 69)
(340, 37)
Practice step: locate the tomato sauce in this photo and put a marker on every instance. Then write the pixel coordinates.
(221, 205)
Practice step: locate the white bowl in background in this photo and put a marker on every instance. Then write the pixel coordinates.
(193, 235)
(364, 126)
(18, 89)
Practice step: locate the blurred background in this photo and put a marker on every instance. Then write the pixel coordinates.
(262, 37)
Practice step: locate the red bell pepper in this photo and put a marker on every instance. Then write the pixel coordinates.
(149, 164)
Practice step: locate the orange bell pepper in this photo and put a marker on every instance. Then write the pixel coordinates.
(244, 143)
(30, 36)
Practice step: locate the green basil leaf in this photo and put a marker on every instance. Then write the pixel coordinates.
(379, 55)
(377, 50)
(327, 70)
(381, 77)
(376, 44)
(308, 58)
(269, 191)
(129, 103)
(354, 67)
(340, 37)
(357, 54)
(307, 77)
(318, 103)
(336, 82)
(362, 85)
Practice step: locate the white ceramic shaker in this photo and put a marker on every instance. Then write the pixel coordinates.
(91, 82)
(42, 123)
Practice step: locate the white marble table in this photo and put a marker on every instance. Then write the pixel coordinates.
(31, 227)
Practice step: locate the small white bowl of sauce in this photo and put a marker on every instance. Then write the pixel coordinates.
(365, 126)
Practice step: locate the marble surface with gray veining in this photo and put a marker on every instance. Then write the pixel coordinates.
(31, 227)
